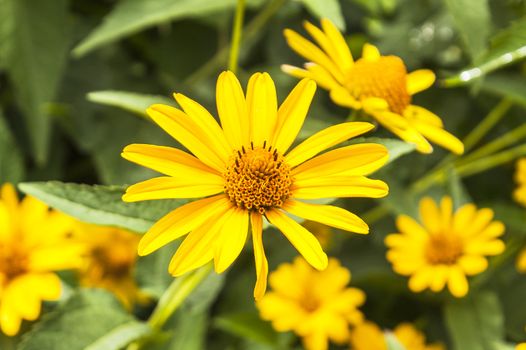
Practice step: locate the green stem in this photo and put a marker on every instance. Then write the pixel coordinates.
(236, 35)
(486, 163)
(250, 32)
(176, 294)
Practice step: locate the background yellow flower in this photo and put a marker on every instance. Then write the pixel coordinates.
(380, 85)
(520, 178)
(34, 242)
(316, 305)
(447, 248)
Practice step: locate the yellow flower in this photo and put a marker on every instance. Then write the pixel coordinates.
(520, 177)
(521, 346)
(447, 248)
(33, 243)
(111, 255)
(368, 336)
(521, 261)
(316, 305)
(245, 171)
(380, 85)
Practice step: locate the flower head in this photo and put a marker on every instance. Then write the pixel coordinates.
(380, 85)
(368, 336)
(111, 254)
(447, 248)
(316, 305)
(520, 263)
(245, 171)
(520, 178)
(34, 242)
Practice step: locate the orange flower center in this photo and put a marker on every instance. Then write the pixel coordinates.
(385, 78)
(258, 179)
(13, 261)
(443, 248)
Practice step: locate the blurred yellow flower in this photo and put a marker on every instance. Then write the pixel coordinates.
(520, 177)
(34, 242)
(316, 305)
(368, 336)
(521, 346)
(245, 171)
(379, 85)
(111, 255)
(447, 248)
(521, 261)
(323, 233)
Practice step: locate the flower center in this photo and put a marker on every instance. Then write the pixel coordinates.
(13, 261)
(384, 78)
(258, 179)
(113, 263)
(443, 248)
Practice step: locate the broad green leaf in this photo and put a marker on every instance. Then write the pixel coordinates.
(326, 9)
(131, 16)
(129, 101)
(100, 205)
(121, 336)
(473, 21)
(11, 161)
(247, 325)
(511, 86)
(392, 342)
(151, 271)
(475, 322)
(35, 52)
(82, 321)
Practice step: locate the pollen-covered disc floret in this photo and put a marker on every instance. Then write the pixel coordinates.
(443, 248)
(384, 78)
(258, 179)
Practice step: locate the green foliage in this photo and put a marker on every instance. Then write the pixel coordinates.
(100, 205)
(11, 161)
(129, 101)
(247, 325)
(326, 9)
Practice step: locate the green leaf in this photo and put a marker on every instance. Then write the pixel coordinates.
(511, 86)
(473, 21)
(121, 336)
(247, 325)
(475, 322)
(392, 342)
(101, 205)
(152, 270)
(11, 161)
(35, 53)
(129, 101)
(131, 16)
(82, 321)
(326, 9)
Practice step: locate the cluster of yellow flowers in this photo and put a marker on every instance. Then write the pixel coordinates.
(245, 170)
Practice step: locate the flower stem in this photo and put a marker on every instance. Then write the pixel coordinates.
(176, 294)
(236, 35)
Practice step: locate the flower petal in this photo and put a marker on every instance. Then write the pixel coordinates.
(232, 110)
(439, 136)
(262, 108)
(343, 97)
(259, 256)
(457, 282)
(304, 241)
(339, 186)
(341, 49)
(354, 160)
(324, 139)
(180, 221)
(472, 264)
(423, 115)
(419, 80)
(430, 215)
(370, 52)
(231, 239)
(328, 215)
(292, 113)
(169, 187)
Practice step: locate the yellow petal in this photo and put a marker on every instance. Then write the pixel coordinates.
(446, 211)
(343, 97)
(342, 51)
(231, 239)
(472, 264)
(259, 256)
(430, 215)
(457, 282)
(334, 186)
(292, 113)
(440, 136)
(295, 71)
(324, 139)
(322, 77)
(10, 321)
(190, 134)
(167, 160)
(418, 113)
(419, 80)
(6, 222)
(169, 187)
(9, 197)
(354, 160)
(463, 217)
(23, 298)
(494, 247)
(479, 222)
(421, 279)
(373, 105)
(328, 215)
(232, 110)
(411, 228)
(182, 220)
(59, 257)
(440, 278)
(370, 52)
(304, 241)
(262, 108)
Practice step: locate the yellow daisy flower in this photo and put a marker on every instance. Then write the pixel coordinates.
(447, 248)
(33, 243)
(245, 171)
(379, 85)
(520, 177)
(521, 346)
(110, 261)
(368, 336)
(317, 305)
